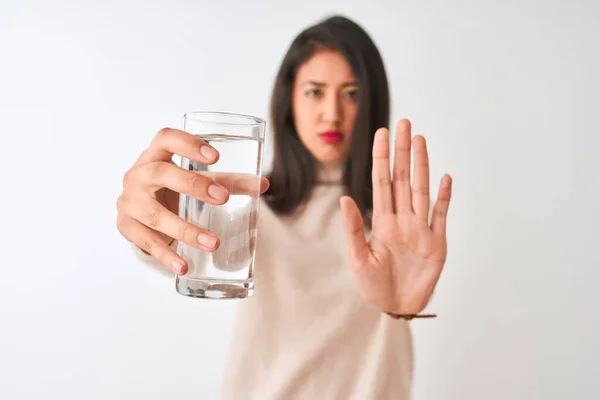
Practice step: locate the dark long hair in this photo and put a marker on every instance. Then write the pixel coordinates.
(294, 168)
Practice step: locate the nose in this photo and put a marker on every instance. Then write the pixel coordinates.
(332, 109)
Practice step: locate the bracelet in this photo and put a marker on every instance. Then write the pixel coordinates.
(410, 316)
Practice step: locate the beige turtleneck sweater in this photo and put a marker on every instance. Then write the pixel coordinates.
(306, 333)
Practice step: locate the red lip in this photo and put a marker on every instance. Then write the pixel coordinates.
(332, 137)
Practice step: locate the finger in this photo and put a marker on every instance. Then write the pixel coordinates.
(197, 184)
(420, 190)
(173, 141)
(237, 183)
(264, 185)
(382, 185)
(355, 235)
(402, 192)
(157, 217)
(440, 209)
(150, 242)
(159, 174)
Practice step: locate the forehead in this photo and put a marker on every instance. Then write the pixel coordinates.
(327, 66)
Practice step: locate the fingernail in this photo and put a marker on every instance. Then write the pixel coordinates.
(208, 152)
(218, 193)
(177, 266)
(207, 240)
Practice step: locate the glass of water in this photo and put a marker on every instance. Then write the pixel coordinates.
(227, 272)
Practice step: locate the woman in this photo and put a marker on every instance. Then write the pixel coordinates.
(347, 249)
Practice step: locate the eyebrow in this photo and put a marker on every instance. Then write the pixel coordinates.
(321, 84)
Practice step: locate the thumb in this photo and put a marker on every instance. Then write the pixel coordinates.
(355, 234)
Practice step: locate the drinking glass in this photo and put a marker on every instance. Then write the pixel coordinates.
(226, 273)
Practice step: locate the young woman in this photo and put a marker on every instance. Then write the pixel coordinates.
(348, 248)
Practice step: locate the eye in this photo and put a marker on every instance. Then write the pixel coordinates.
(351, 94)
(314, 93)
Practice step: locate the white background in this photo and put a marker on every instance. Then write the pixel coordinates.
(505, 92)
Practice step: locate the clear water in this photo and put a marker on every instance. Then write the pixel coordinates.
(234, 222)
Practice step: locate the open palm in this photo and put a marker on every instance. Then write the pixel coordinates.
(398, 267)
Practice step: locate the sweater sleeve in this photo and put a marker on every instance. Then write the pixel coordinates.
(152, 262)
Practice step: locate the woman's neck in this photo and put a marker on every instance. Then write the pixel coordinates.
(329, 174)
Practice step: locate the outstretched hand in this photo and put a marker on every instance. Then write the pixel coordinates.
(398, 268)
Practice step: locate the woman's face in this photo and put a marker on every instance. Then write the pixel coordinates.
(324, 105)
